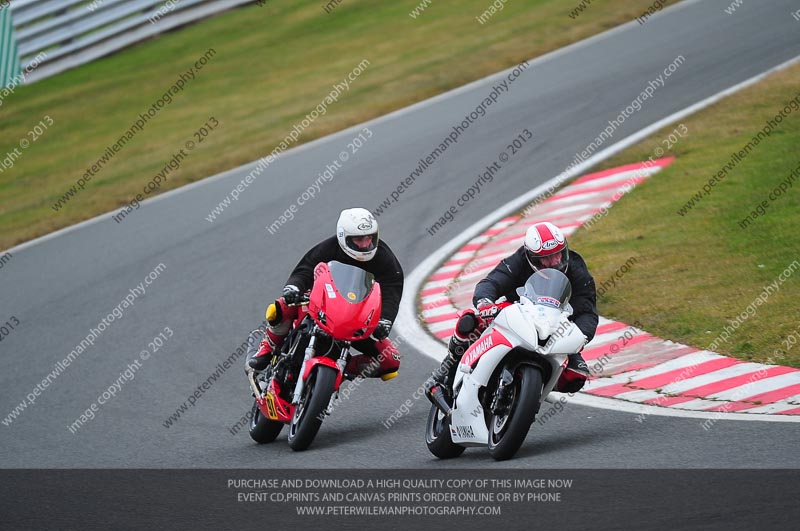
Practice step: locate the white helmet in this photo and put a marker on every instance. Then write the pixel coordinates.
(546, 247)
(354, 225)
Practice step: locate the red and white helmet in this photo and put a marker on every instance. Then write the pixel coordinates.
(546, 247)
(357, 232)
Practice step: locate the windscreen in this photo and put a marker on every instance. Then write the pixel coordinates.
(548, 287)
(353, 283)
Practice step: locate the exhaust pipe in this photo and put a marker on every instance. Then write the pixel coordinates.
(436, 396)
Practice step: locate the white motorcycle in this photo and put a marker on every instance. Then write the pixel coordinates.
(505, 375)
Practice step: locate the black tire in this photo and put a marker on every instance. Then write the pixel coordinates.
(437, 436)
(508, 432)
(308, 413)
(263, 429)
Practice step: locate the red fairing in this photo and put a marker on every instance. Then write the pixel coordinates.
(273, 406)
(343, 320)
(321, 360)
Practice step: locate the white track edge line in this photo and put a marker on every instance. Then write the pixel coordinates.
(408, 326)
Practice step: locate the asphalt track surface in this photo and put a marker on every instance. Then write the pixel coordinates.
(219, 276)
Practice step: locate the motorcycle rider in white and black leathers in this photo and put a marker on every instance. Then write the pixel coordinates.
(545, 247)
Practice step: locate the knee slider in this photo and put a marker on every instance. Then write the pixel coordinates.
(274, 314)
(466, 324)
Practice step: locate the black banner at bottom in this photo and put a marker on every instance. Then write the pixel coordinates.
(399, 499)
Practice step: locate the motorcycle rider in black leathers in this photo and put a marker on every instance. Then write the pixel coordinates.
(356, 243)
(545, 246)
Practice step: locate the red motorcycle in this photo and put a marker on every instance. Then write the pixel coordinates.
(301, 384)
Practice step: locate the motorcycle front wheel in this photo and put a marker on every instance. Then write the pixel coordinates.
(507, 431)
(263, 429)
(308, 413)
(437, 436)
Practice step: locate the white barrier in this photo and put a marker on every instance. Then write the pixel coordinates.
(75, 32)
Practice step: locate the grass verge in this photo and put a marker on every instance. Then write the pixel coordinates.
(272, 65)
(706, 269)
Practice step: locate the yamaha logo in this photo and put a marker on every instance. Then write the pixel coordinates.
(478, 350)
(465, 432)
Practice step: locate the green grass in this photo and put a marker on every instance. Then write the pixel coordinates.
(699, 271)
(273, 65)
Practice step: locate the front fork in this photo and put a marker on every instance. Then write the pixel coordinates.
(310, 351)
(341, 363)
(500, 400)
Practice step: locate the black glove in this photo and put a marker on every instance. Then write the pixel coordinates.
(291, 294)
(382, 330)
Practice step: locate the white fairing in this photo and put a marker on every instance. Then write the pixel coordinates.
(521, 324)
(519, 321)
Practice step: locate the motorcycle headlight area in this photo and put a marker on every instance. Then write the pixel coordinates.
(544, 319)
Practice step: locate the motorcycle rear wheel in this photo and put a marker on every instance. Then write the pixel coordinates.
(437, 436)
(263, 429)
(507, 432)
(308, 413)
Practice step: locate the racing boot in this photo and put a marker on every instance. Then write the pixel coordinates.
(443, 375)
(384, 366)
(271, 343)
(574, 376)
(468, 328)
(276, 331)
